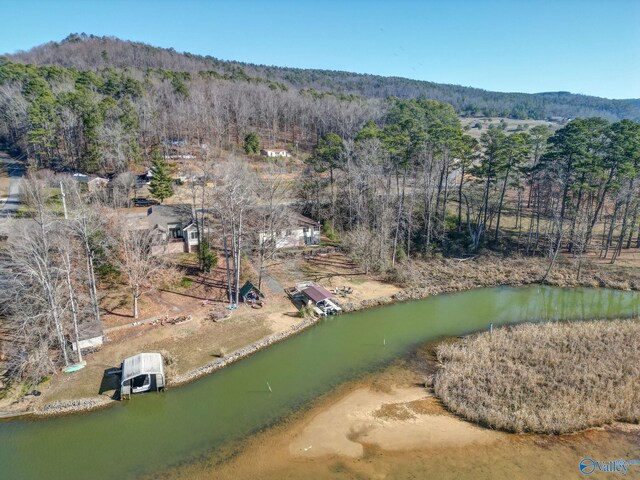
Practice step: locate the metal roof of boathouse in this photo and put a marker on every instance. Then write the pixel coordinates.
(317, 293)
(142, 364)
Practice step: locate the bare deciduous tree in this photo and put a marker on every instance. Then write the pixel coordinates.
(272, 190)
(122, 187)
(134, 260)
(232, 198)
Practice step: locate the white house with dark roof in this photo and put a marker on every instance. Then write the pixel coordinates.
(274, 152)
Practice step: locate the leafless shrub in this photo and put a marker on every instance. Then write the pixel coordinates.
(218, 313)
(170, 363)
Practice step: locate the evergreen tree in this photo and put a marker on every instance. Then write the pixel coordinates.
(328, 154)
(252, 143)
(208, 258)
(161, 185)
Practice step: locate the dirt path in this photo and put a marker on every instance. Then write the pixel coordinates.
(13, 170)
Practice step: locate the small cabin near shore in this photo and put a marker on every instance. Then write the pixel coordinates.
(90, 336)
(323, 301)
(143, 372)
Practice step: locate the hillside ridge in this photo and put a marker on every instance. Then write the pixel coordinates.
(90, 52)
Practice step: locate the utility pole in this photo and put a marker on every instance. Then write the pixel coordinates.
(64, 201)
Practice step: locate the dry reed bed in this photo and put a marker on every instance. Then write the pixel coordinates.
(544, 378)
(447, 275)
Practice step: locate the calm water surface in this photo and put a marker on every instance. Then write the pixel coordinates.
(154, 431)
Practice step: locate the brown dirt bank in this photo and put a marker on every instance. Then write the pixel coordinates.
(449, 275)
(544, 378)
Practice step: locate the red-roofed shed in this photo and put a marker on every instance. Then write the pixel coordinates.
(316, 293)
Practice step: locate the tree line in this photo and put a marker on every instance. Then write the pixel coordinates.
(410, 186)
(417, 184)
(111, 120)
(90, 52)
(393, 180)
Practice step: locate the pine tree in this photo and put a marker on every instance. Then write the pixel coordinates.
(161, 185)
(252, 143)
(208, 258)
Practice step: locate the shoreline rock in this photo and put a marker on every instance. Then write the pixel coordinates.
(67, 407)
(243, 352)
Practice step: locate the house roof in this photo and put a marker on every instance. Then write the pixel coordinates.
(302, 221)
(317, 293)
(142, 364)
(287, 218)
(274, 150)
(82, 178)
(99, 179)
(161, 215)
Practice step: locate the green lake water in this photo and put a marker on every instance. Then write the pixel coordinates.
(155, 431)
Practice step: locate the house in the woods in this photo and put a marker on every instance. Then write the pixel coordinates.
(174, 142)
(142, 373)
(143, 179)
(323, 301)
(181, 177)
(274, 152)
(173, 229)
(93, 183)
(297, 231)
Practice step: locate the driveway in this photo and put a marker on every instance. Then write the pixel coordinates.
(15, 170)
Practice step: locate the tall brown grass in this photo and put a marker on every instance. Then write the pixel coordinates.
(544, 378)
(421, 278)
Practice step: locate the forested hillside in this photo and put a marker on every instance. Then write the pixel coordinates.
(109, 119)
(90, 52)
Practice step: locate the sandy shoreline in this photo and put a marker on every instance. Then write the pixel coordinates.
(385, 426)
(404, 419)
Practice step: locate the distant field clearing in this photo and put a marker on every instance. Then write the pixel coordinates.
(475, 126)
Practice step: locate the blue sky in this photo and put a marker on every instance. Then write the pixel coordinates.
(582, 46)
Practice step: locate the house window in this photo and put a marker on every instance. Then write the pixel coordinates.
(175, 230)
(193, 235)
(289, 232)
